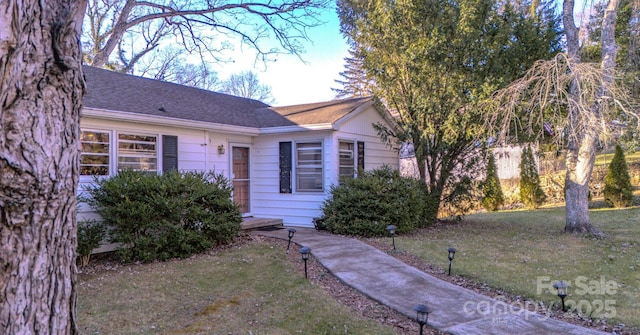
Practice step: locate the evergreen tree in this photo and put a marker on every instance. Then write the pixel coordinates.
(531, 193)
(355, 83)
(617, 188)
(493, 197)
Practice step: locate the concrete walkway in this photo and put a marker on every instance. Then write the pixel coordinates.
(455, 310)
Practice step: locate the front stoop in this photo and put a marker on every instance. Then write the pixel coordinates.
(250, 223)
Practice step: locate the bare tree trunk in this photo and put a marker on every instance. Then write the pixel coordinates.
(580, 161)
(41, 90)
(585, 124)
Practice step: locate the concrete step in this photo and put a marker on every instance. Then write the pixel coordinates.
(250, 223)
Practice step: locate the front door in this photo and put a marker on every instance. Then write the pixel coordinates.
(241, 185)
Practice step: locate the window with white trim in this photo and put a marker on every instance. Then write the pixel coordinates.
(346, 161)
(137, 152)
(309, 167)
(103, 153)
(94, 156)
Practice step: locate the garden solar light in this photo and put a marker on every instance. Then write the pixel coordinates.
(422, 315)
(291, 232)
(452, 254)
(561, 286)
(392, 230)
(305, 252)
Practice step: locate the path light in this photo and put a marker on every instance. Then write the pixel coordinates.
(305, 252)
(291, 232)
(561, 286)
(452, 254)
(392, 230)
(422, 316)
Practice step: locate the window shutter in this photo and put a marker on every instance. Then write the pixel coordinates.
(360, 156)
(285, 167)
(169, 153)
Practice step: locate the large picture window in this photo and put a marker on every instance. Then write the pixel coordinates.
(94, 157)
(309, 170)
(137, 152)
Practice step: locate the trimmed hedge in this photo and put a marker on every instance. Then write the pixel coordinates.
(366, 205)
(174, 215)
(90, 236)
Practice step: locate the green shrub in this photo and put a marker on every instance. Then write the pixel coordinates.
(91, 233)
(366, 205)
(493, 197)
(161, 217)
(617, 188)
(531, 193)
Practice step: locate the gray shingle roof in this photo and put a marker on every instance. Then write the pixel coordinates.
(319, 112)
(113, 91)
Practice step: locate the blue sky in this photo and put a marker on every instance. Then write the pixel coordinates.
(291, 80)
(294, 82)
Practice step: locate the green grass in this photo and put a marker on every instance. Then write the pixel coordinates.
(253, 289)
(518, 250)
(605, 159)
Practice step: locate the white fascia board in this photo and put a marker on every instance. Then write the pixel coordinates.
(167, 121)
(299, 128)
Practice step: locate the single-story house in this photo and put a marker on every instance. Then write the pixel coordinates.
(282, 161)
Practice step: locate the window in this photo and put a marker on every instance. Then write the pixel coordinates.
(308, 171)
(94, 156)
(346, 162)
(137, 152)
(103, 154)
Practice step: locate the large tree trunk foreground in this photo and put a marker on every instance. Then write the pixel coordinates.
(41, 89)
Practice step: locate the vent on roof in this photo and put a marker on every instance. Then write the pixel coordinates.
(162, 109)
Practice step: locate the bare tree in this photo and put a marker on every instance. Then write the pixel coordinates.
(41, 90)
(196, 25)
(581, 99)
(169, 64)
(246, 85)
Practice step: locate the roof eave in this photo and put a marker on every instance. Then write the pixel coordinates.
(167, 121)
(297, 128)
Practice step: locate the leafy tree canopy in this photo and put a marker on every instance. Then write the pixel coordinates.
(432, 60)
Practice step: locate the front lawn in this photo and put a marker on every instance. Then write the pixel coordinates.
(524, 252)
(249, 289)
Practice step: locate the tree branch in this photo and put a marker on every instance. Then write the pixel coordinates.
(257, 17)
